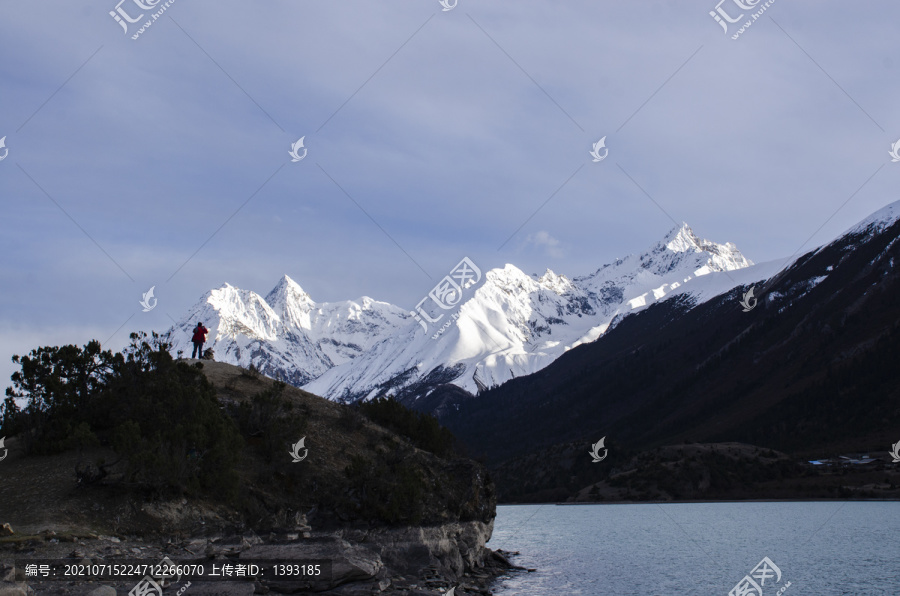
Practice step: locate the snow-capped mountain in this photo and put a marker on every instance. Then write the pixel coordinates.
(287, 334)
(510, 325)
(811, 367)
(515, 324)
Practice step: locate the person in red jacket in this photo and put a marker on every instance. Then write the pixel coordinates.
(200, 333)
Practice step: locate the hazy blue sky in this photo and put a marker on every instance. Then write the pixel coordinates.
(431, 135)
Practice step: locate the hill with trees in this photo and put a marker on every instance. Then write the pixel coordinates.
(157, 451)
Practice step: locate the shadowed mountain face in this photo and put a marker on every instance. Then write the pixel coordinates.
(811, 369)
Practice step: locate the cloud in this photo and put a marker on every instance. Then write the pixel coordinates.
(545, 241)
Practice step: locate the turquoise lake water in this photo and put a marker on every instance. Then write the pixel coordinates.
(699, 549)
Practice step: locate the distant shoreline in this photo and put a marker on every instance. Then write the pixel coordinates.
(710, 501)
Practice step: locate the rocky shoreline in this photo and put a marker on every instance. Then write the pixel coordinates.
(412, 561)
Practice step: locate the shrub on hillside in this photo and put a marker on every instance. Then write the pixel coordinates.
(161, 415)
(166, 420)
(251, 372)
(350, 419)
(59, 384)
(271, 416)
(423, 430)
(389, 489)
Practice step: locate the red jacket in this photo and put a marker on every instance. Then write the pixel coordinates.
(200, 334)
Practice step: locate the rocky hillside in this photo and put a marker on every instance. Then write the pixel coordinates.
(383, 511)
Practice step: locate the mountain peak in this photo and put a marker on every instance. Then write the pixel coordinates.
(682, 239)
(287, 282)
(287, 289)
(554, 281)
(682, 243)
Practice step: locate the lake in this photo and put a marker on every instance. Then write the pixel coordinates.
(699, 549)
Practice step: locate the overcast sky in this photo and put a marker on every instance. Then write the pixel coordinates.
(430, 135)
